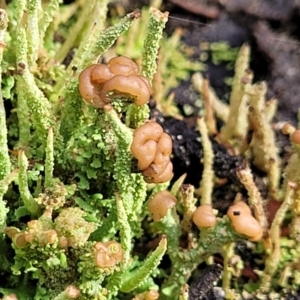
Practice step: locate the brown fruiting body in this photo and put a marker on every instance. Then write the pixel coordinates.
(123, 65)
(285, 128)
(63, 242)
(99, 84)
(11, 231)
(204, 217)
(153, 174)
(108, 254)
(243, 222)
(88, 89)
(10, 297)
(144, 143)
(152, 148)
(19, 240)
(152, 295)
(159, 205)
(100, 74)
(72, 292)
(131, 86)
(295, 137)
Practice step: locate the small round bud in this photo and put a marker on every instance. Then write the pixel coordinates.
(108, 254)
(10, 297)
(204, 217)
(243, 222)
(72, 292)
(28, 237)
(295, 137)
(19, 239)
(286, 128)
(51, 236)
(11, 231)
(152, 295)
(63, 242)
(159, 205)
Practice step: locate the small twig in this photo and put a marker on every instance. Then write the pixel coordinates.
(221, 109)
(255, 199)
(207, 181)
(273, 258)
(209, 114)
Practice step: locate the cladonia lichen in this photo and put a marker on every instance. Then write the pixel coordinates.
(73, 204)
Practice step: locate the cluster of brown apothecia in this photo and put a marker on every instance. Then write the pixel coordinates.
(69, 229)
(239, 214)
(99, 84)
(152, 147)
(108, 254)
(21, 238)
(162, 201)
(159, 205)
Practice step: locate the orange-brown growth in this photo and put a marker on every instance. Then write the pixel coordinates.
(295, 137)
(159, 205)
(152, 148)
(123, 65)
(108, 254)
(243, 222)
(131, 86)
(204, 217)
(99, 84)
(286, 128)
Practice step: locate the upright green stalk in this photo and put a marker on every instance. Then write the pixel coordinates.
(263, 144)
(125, 230)
(38, 104)
(131, 187)
(36, 101)
(189, 206)
(47, 18)
(23, 116)
(32, 31)
(26, 196)
(136, 115)
(274, 255)
(207, 181)
(93, 32)
(76, 30)
(107, 38)
(3, 216)
(4, 183)
(238, 103)
(21, 54)
(150, 264)
(49, 163)
(156, 25)
(4, 156)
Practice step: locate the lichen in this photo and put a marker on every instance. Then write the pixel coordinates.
(73, 205)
